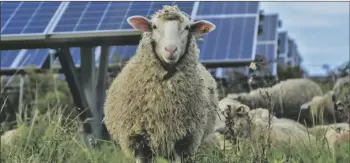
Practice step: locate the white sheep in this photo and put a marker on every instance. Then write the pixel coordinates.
(285, 97)
(322, 110)
(340, 85)
(163, 101)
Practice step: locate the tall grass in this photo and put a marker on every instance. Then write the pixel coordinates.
(52, 136)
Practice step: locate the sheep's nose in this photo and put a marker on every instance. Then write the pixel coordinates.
(170, 48)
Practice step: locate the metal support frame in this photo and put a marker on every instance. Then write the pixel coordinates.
(102, 86)
(89, 83)
(20, 100)
(74, 85)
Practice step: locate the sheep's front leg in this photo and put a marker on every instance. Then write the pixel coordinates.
(143, 153)
(185, 149)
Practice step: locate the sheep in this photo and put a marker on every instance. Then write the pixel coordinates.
(333, 133)
(254, 123)
(163, 102)
(322, 110)
(341, 91)
(286, 97)
(340, 85)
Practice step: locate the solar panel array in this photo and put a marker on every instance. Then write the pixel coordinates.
(25, 18)
(235, 33)
(267, 41)
(293, 53)
(238, 20)
(283, 47)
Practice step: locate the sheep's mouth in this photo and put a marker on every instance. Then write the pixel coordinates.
(170, 60)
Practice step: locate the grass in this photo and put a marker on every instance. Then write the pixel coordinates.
(49, 138)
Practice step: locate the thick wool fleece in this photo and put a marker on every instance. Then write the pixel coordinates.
(322, 110)
(140, 103)
(286, 97)
(282, 130)
(340, 84)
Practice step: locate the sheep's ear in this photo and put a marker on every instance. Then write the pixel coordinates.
(201, 27)
(140, 23)
(241, 110)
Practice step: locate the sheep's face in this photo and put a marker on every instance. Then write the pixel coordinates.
(236, 118)
(170, 31)
(244, 98)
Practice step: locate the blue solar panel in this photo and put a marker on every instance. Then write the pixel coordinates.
(7, 57)
(75, 53)
(34, 57)
(123, 52)
(269, 51)
(221, 8)
(281, 60)
(269, 28)
(291, 48)
(283, 39)
(26, 17)
(90, 16)
(232, 39)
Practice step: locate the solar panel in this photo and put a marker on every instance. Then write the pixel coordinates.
(283, 38)
(267, 41)
(75, 53)
(269, 26)
(291, 48)
(123, 52)
(26, 17)
(269, 51)
(236, 20)
(91, 16)
(281, 60)
(227, 8)
(233, 39)
(34, 57)
(234, 36)
(8, 57)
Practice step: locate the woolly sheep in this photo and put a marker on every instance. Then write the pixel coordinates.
(334, 133)
(286, 97)
(322, 110)
(340, 84)
(341, 91)
(254, 124)
(163, 101)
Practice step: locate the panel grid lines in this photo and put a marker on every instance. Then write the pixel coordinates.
(233, 40)
(10, 18)
(32, 16)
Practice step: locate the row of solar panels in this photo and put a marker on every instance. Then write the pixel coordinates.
(235, 37)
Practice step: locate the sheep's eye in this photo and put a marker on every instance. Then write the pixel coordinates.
(154, 27)
(187, 28)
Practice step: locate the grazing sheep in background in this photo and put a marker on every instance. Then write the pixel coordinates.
(341, 91)
(286, 97)
(228, 104)
(340, 84)
(254, 125)
(158, 104)
(322, 110)
(333, 133)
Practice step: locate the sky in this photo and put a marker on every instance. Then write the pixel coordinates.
(320, 29)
